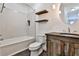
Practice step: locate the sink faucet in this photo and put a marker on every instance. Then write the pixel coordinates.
(69, 29)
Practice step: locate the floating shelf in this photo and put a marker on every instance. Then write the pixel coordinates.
(44, 20)
(41, 12)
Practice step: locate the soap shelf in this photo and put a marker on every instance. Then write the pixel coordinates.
(44, 20)
(41, 12)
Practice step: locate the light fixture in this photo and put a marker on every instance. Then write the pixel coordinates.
(59, 12)
(53, 6)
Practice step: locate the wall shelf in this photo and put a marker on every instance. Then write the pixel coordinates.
(43, 20)
(41, 12)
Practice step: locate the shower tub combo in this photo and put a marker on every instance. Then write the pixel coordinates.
(9, 47)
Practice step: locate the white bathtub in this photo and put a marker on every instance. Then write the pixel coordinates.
(12, 46)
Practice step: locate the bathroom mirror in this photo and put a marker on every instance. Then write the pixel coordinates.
(69, 12)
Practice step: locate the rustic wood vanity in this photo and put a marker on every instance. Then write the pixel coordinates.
(62, 44)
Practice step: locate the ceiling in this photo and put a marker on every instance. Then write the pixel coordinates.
(27, 7)
(39, 6)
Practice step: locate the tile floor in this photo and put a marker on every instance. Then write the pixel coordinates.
(27, 53)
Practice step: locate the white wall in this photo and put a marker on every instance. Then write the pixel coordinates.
(54, 24)
(13, 22)
(32, 28)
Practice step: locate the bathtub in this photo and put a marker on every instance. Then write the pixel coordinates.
(15, 45)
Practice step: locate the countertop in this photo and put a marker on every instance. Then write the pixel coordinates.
(71, 35)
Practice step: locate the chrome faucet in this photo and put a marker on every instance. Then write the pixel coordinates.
(69, 29)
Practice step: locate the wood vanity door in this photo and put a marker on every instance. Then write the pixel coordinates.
(55, 47)
(52, 48)
(49, 47)
(62, 48)
(74, 49)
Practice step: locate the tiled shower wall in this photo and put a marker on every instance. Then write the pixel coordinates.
(14, 23)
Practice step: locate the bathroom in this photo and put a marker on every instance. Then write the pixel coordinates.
(23, 24)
